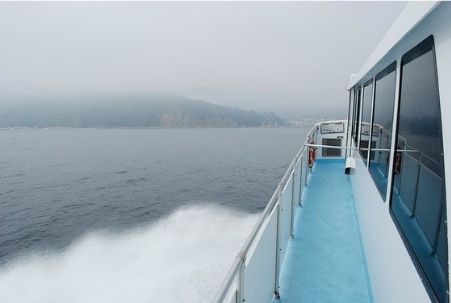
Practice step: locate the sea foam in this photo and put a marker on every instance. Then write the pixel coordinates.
(181, 258)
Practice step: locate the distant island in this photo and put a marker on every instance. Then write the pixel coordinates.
(129, 111)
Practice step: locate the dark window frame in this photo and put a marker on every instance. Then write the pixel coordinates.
(348, 123)
(422, 48)
(386, 71)
(366, 84)
(354, 105)
(358, 108)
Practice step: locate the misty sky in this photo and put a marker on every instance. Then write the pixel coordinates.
(286, 57)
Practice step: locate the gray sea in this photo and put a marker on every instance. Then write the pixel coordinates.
(57, 185)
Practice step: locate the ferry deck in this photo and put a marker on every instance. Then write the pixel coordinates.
(361, 213)
(327, 246)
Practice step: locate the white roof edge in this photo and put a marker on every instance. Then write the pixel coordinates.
(413, 13)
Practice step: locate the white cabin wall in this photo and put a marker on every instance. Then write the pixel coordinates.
(443, 57)
(319, 138)
(393, 277)
(392, 273)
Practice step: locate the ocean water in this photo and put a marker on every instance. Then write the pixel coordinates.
(130, 215)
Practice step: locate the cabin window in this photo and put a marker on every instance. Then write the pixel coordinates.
(332, 128)
(365, 124)
(384, 101)
(418, 201)
(331, 152)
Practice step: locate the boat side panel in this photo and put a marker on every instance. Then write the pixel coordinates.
(392, 274)
(260, 272)
(286, 207)
(438, 24)
(297, 184)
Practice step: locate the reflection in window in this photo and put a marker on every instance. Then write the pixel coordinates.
(365, 124)
(384, 101)
(418, 197)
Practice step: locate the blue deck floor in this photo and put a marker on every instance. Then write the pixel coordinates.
(325, 261)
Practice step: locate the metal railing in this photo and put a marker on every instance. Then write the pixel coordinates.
(232, 288)
(356, 149)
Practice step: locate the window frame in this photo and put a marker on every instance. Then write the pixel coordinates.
(350, 104)
(392, 67)
(354, 104)
(358, 110)
(420, 49)
(370, 128)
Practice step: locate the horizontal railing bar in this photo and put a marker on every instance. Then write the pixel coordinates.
(329, 146)
(398, 150)
(354, 148)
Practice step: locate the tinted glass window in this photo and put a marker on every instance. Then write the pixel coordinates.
(331, 152)
(332, 128)
(384, 101)
(418, 197)
(365, 124)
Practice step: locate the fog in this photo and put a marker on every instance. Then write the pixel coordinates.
(292, 58)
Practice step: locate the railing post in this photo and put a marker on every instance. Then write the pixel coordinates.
(277, 269)
(292, 200)
(301, 161)
(240, 291)
(306, 169)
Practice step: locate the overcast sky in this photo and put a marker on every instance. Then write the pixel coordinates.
(288, 57)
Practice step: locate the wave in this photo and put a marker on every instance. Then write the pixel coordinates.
(180, 258)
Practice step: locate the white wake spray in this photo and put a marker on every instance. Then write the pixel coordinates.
(181, 258)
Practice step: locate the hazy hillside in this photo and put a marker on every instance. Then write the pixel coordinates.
(136, 111)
